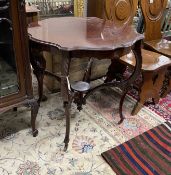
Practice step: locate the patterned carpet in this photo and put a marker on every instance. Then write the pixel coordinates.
(93, 131)
(148, 153)
(163, 108)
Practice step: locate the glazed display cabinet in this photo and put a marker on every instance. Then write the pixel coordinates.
(55, 8)
(15, 72)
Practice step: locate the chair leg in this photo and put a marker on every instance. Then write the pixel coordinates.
(167, 84)
(168, 88)
(152, 83)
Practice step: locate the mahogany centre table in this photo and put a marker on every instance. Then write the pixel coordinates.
(78, 37)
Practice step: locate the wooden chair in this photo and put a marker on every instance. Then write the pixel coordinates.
(155, 65)
(156, 39)
(166, 40)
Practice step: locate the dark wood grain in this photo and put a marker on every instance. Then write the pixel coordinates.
(90, 34)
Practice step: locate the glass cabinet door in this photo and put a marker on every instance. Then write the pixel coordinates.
(53, 8)
(8, 69)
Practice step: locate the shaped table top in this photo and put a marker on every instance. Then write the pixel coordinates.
(75, 33)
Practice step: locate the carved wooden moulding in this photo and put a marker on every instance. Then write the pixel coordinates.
(153, 15)
(120, 11)
(154, 11)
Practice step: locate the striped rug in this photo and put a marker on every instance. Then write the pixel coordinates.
(146, 154)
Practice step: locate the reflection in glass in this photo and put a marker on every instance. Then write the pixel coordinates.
(53, 7)
(8, 70)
